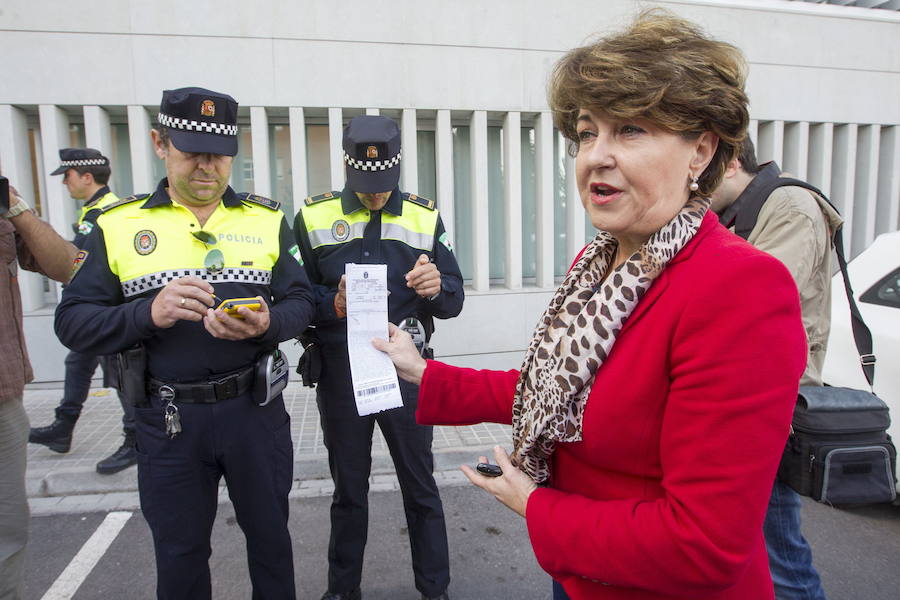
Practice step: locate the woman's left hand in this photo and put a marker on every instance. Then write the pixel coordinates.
(512, 488)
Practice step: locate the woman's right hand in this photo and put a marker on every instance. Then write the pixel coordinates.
(402, 351)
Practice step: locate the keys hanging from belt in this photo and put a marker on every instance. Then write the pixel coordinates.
(173, 420)
(172, 416)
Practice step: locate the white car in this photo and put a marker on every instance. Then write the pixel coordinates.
(875, 278)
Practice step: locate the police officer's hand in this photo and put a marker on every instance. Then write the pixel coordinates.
(183, 299)
(340, 299)
(403, 352)
(424, 278)
(254, 323)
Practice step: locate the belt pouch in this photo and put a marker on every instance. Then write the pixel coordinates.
(132, 370)
(271, 376)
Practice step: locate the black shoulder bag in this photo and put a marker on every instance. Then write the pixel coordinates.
(838, 451)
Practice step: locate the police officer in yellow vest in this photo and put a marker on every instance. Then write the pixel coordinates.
(158, 271)
(86, 174)
(371, 221)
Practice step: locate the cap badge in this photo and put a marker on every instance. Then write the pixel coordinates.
(371, 152)
(208, 108)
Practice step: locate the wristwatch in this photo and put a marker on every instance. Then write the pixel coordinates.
(17, 209)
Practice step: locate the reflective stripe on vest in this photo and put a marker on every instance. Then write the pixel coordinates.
(326, 224)
(152, 281)
(333, 234)
(394, 231)
(148, 248)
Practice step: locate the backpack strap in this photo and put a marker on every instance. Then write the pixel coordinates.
(862, 337)
(745, 220)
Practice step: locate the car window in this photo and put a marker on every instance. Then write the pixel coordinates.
(886, 292)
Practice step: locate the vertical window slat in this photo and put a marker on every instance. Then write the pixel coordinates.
(335, 147)
(478, 140)
(299, 179)
(512, 193)
(259, 136)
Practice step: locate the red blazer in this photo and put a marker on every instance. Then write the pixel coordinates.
(683, 430)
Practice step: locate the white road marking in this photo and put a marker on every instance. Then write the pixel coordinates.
(87, 558)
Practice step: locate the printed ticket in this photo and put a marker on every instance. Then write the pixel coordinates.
(375, 384)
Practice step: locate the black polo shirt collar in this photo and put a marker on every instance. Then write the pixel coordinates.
(96, 197)
(161, 196)
(350, 202)
(767, 173)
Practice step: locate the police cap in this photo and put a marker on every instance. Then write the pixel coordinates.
(372, 154)
(71, 158)
(200, 120)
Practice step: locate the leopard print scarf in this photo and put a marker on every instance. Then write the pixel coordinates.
(576, 333)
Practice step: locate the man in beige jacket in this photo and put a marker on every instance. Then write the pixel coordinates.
(796, 227)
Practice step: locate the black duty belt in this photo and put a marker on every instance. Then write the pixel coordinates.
(206, 392)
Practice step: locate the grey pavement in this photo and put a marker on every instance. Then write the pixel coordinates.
(857, 551)
(64, 483)
(490, 555)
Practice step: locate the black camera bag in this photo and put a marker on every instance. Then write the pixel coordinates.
(839, 451)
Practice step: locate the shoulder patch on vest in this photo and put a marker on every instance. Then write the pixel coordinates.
(321, 197)
(123, 201)
(78, 262)
(429, 204)
(260, 200)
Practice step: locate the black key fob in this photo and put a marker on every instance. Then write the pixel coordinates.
(489, 470)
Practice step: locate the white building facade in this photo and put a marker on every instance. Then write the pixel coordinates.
(467, 82)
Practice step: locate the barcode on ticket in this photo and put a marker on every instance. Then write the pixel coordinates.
(378, 389)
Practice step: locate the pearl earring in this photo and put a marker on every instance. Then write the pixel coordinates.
(694, 185)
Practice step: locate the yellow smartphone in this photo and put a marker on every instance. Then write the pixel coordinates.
(231, 305)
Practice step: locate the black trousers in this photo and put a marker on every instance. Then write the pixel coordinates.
(80, 369)
(178, 480)
(348, 438)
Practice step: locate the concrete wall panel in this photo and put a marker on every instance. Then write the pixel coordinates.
(834, 63)
(818, 74)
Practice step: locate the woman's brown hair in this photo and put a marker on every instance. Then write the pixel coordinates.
(666, 70)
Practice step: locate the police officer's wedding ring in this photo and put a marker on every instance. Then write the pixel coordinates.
(182, 301)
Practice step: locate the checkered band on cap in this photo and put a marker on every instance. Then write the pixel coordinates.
(87, 162)
(372, 165)
(153, 281)
(201, 126)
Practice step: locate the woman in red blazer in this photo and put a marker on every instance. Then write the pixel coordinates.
(655, 398)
